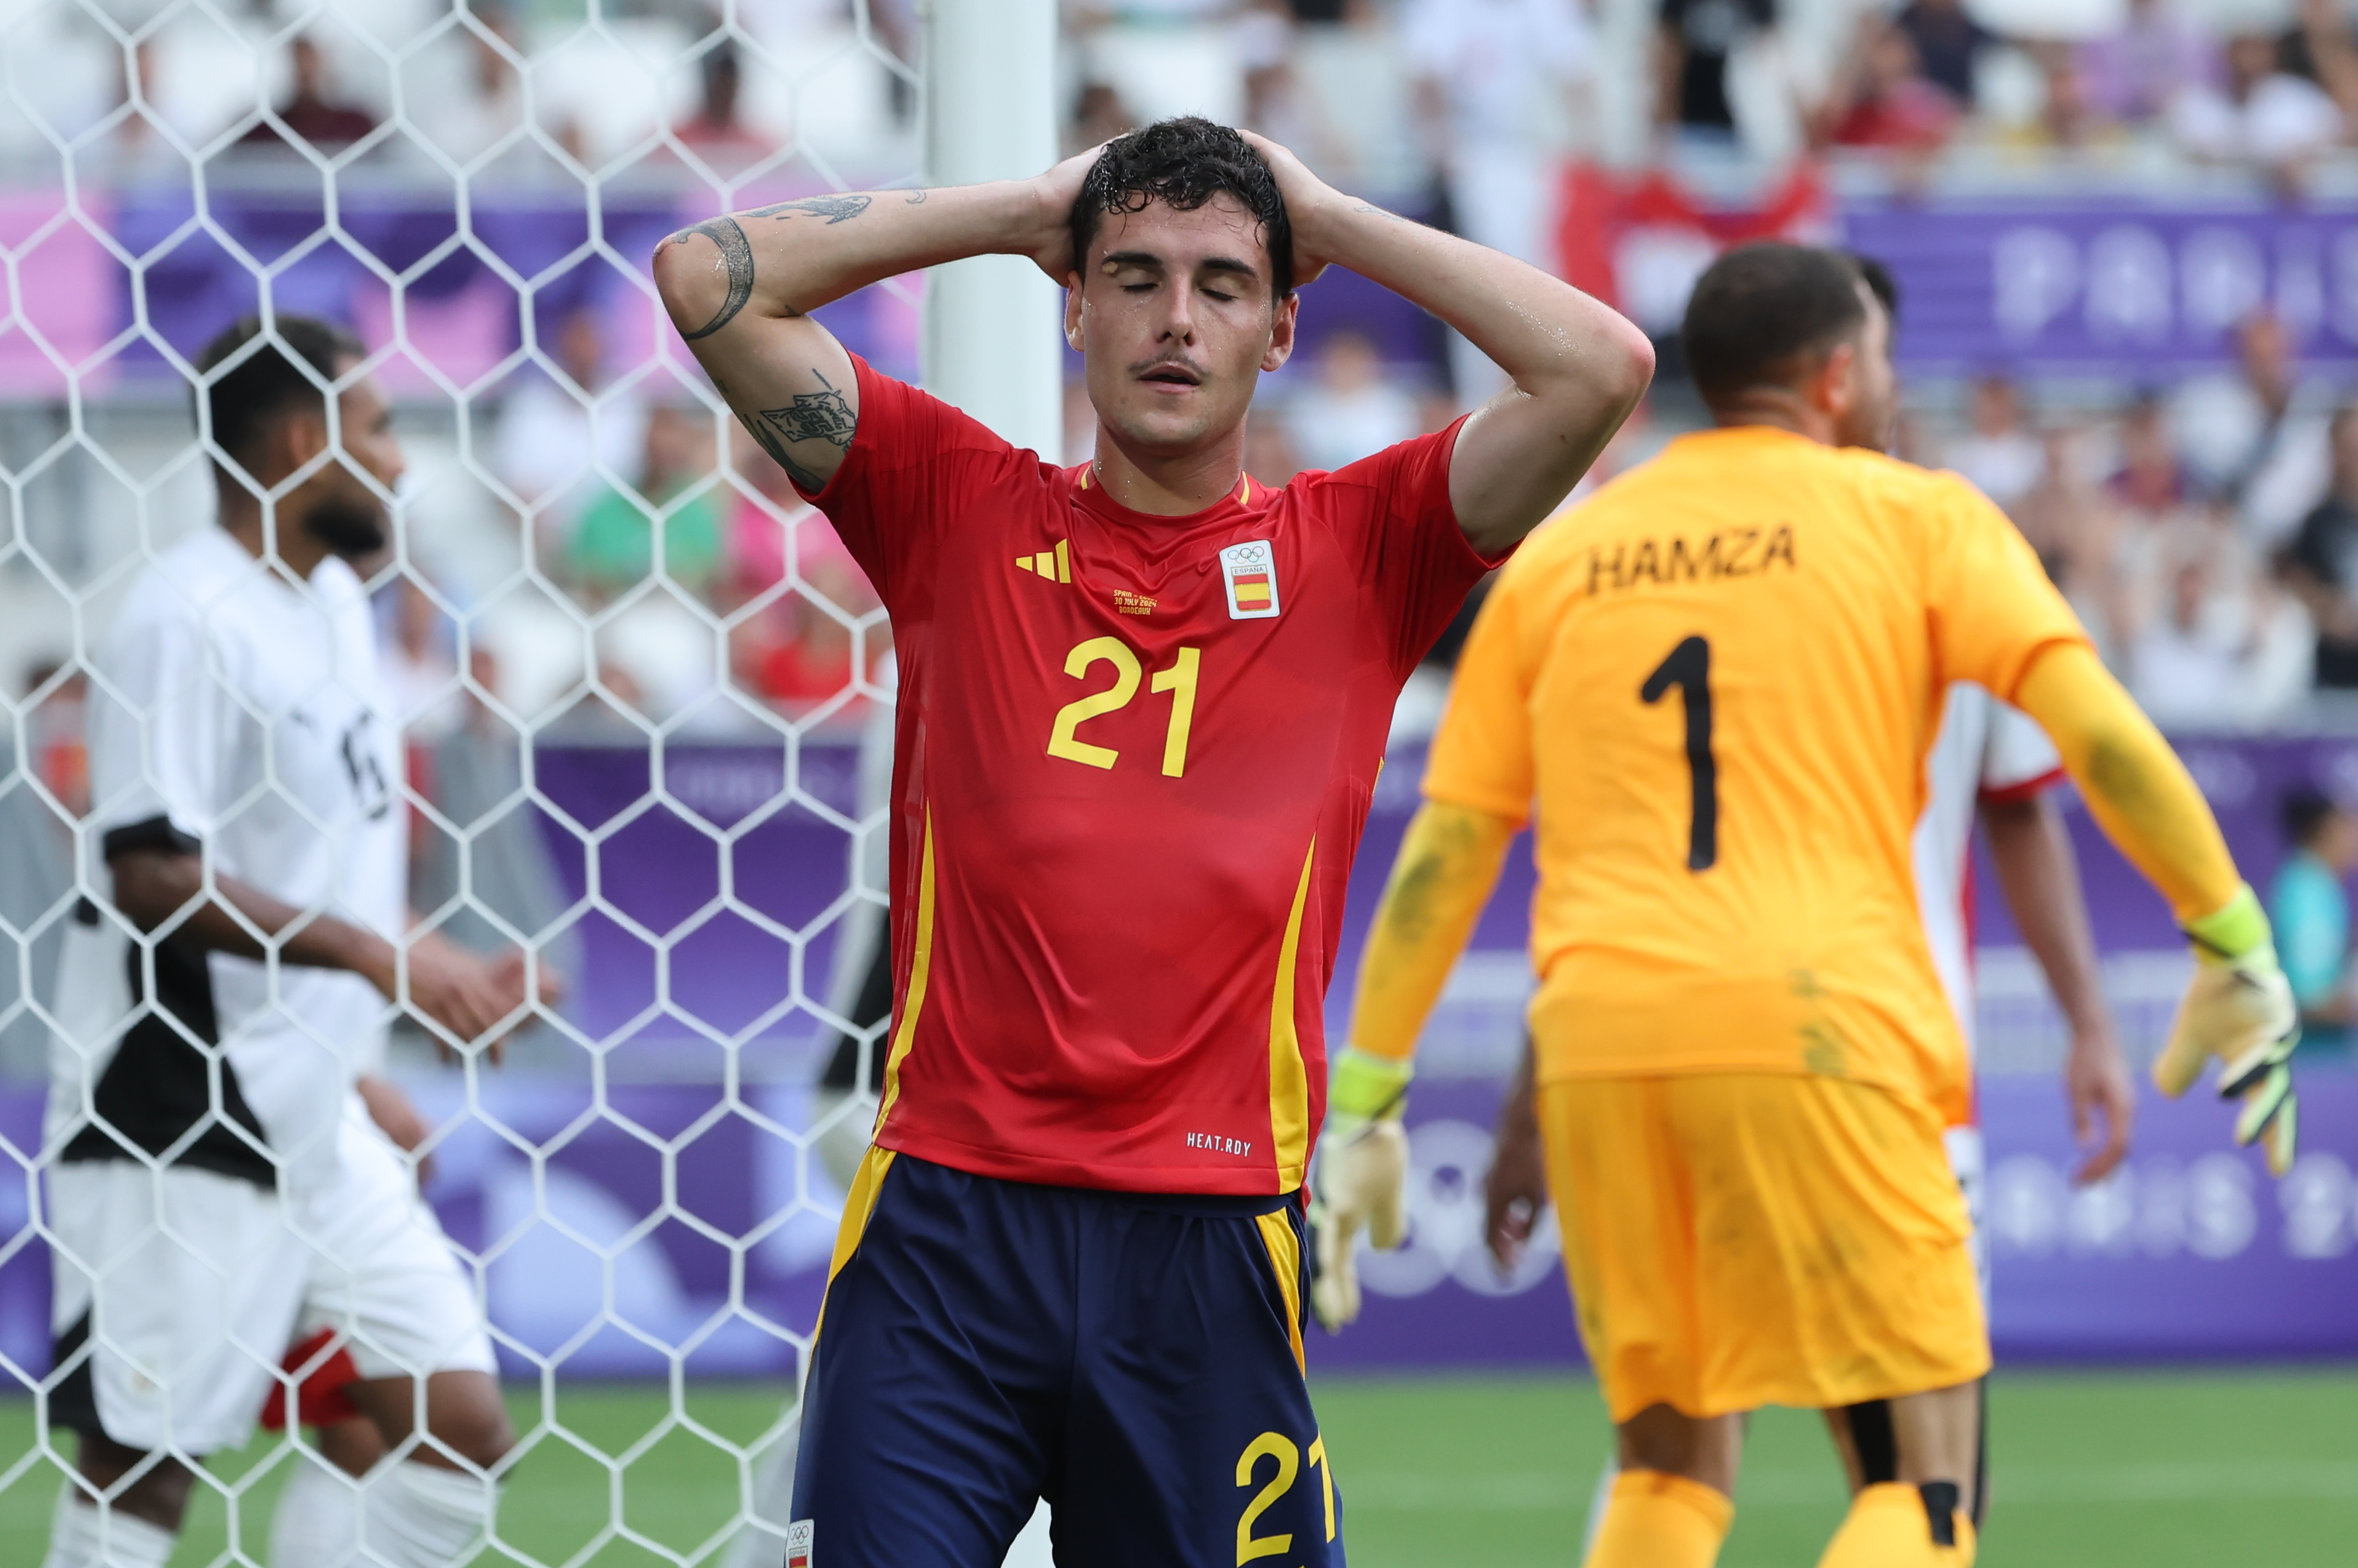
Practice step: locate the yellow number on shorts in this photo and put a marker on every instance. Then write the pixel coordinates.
(1318, 1455)
(1179, 680)
(1268, 1445)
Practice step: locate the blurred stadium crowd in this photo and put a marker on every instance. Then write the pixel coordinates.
(2202, 527)
(2204, 520)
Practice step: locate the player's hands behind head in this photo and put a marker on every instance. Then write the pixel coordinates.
(2239, 1009)
(468, 1001)
(1309, 200)
(1050, 245)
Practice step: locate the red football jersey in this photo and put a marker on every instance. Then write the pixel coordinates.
(1134, 757)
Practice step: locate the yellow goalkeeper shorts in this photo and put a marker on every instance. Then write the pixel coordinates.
(1744, 1240)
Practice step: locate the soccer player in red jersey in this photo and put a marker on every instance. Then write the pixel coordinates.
(1143, 704)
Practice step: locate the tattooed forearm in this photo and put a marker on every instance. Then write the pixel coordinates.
(737, 257)
(834, 209)
(815, 416)
(916, 199)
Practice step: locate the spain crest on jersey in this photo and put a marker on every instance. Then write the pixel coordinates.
(1251, 571)
(798, 1543)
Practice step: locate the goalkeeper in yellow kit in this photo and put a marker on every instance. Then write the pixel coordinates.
(1713, 686)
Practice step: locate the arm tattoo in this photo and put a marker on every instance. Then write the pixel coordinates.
(815, 416)
(737, 256)
(916, 199)
(772, 444)
(834, 209)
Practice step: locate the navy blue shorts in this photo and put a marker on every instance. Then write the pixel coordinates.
(1135, 1360)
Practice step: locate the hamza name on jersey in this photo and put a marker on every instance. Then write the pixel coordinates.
(1725, 553)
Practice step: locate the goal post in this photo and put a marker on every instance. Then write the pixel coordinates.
(992, 329)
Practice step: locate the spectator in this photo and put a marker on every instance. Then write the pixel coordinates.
(492, 106)
(613, 544)
(56, 727)
(2077, 533)
(1275, 103)
(1498, 78)
(1165, 57)
(2320, 46)
(313, 114)
(1947, 42)
(2321, 566)
(2001, 458)
(557, 432)
(1354, 410)
(2258, 438)
(717, 135)
(2264, 115)
(2309, 904)
(1694, 41)
(2187, 664)
(1883, 100)
(1098, 115)
(2134, 75)
(2151, 483)
(2069, 116)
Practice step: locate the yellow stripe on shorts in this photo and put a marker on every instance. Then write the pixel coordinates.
(1285, 1256)
(858, 1209)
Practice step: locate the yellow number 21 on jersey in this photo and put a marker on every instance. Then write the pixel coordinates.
(1179, 680)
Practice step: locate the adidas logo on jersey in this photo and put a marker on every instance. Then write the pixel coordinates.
(1055, 564)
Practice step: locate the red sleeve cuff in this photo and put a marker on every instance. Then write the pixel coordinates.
(2028, 789)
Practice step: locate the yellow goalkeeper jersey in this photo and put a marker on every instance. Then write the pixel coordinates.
(1714, 685)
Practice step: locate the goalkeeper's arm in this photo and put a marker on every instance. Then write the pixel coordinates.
(1447, 865)
(2239, 1008)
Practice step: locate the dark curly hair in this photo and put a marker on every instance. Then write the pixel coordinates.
(1185, 163)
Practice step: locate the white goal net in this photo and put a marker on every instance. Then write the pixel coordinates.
(638, 687)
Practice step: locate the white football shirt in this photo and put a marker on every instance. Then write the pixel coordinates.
(233, 713)
(1984, 751)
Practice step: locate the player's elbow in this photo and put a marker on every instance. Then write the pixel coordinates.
(1626, 362)
(689, 286)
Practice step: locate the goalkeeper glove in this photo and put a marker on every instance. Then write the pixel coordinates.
(1362, 1177)
(2239, 1009)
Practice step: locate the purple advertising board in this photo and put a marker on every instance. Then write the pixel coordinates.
(696, 1212)
(665, 1223)
(2081, 284)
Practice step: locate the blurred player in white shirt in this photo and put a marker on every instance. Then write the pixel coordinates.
(217, 1186)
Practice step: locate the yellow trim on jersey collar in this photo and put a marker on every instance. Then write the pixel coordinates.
(1243, 496)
